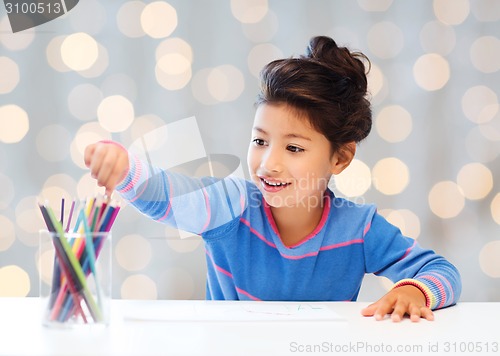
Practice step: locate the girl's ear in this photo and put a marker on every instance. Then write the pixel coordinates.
(343, 157)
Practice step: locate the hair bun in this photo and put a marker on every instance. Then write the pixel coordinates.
(340, 60)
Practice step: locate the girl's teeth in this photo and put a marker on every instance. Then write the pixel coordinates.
(276, 184)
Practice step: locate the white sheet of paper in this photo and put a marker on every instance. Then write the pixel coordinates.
(235, 311)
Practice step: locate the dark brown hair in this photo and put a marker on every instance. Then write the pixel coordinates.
(328, 86)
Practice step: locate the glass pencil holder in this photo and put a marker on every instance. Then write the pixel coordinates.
(75, 278)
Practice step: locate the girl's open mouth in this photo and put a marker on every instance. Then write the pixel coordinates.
(273, 185)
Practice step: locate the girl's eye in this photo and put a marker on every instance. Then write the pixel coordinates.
(258, 142)
(294, 149)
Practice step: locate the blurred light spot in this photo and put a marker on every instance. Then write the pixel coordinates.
(390, 176)
(451, 13)
(83, 101)
(99, 66)
(431, 71)
(7, 192)
(53, 142)
(79, 51)
(488, 113)
(344, 36)
(174, 45)
(88, 133)
(260, 55)
(225, 83)
(138, 286)
(488, 259)
(393, 123)
(14, 41)
(14, 281)
(173, 71)
(491, 130)
(375, 5)
(158, 19)
(199, 87)
(152, 125)
(262, 31)
(119, 84)
(446, 199)
(53, 54)
(480, 104)
(183, 144)
(385, 39)
(87, 187)
(485, 54)
(495, 208)
(376, 80)
(406, 220)
(478, 149)
(115, 113)
(486, 10)
(133, 252)
(128, 19)
(44, 264)
(7, 233)
(476, 180)
(55, 188)
(437, 37)
(29, 219)
(14, 123)
(355, 180)
(179, 284)
(249, 11)
(89, 9)
(9, 72)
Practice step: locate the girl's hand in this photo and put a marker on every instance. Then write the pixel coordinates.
(108, 163)
(400, 301)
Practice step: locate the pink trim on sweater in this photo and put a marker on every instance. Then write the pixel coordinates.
(256, 233)
(170, 193)
(408, 250)
(229, 274)
(367, 228)
(452, 296)
(139, 194)
(310, 254)
(209, 211)
(317, 229)
(414, 283)
(135, 178)
(247, 294)
(342, 244)
(439, 286)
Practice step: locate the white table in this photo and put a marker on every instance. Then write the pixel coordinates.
(465, 329)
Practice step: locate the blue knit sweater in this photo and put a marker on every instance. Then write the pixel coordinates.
(246, 259)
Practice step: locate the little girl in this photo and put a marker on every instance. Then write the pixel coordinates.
(284, 235)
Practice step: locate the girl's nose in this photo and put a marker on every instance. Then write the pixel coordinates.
(272, 161)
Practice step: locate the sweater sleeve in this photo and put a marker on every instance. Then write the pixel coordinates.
(196, 205)
(401, 259)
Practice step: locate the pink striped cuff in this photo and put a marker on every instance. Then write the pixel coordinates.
(430, 298)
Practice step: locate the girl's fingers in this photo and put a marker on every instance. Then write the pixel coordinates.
(87, 155)
(427, 313)
(398, 312)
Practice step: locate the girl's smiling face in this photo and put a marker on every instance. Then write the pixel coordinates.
(288, 159)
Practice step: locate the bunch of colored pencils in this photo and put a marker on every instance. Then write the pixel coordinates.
(76, 252)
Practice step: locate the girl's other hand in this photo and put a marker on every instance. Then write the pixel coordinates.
(108, 163)
(398, 302)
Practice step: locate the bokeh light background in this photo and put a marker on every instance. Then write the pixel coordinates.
(120, 69)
